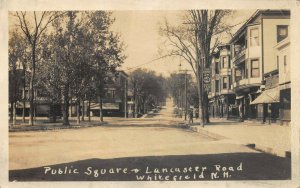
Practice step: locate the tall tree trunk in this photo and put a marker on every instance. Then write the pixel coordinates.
(53, 112)
(83, 111)
(136, 106)
(100, 109)
(31, 88)
(89, 110)
(205, 106)
(199, 89)
(24, 94)
(71, 108)
(14, 113)
(11, 116)
(66, 106)
(78, 111)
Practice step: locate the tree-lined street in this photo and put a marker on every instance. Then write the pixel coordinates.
(156, 142)
(88, 99)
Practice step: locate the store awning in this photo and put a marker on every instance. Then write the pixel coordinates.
(267, 97)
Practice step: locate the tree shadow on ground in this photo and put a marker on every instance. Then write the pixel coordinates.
(159, 124)
(213, 123)
(246, 166)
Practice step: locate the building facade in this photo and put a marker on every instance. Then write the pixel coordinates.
(254, 64)
(114, 99)
(283, 55)
(274, 33)
(222, 97)
(251, 74)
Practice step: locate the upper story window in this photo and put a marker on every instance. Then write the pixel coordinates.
(217, 67)
(238, 75)
(282, 32)
(217, 86)
(225, 62)
(110, 93)
(254, 68)
(225, 82)
(254, 37)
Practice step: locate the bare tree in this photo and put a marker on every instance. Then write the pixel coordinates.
(15, 75)
(33, 25)
(194, 41)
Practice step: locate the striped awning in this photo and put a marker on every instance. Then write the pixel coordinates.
(268, 96)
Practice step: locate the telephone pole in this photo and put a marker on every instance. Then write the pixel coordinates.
(125, 99)
(185, 89)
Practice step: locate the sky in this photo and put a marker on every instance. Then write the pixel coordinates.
(140, 33)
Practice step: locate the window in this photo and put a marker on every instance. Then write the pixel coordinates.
(110, 94)
(254, 37)
(238, 75)
(225, 82)
(284, 63)
(217, 86)
(254, 68)
(225, 62)
(245, 68)
(282, 32)
(217, 67)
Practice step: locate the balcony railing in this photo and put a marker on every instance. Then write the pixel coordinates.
(240, 56)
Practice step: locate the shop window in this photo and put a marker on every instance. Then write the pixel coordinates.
(254, 68)
(282, 32)
(254, 37)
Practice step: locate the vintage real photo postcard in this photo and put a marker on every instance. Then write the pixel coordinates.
(193, 95)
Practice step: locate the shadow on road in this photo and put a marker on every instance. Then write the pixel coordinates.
(139, 125)
(245, 166)
(212, 123)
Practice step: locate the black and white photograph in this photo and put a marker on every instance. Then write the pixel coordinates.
(138, 96)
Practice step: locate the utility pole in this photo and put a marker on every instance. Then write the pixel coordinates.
(185, 89)
(125, 99)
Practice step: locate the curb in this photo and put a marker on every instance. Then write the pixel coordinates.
(207, 133)
(269, 150)
(53, 128)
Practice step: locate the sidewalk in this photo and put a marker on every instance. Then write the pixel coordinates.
(43, 124)
(273, 139)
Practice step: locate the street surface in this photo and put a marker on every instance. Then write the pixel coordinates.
(145, 143)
